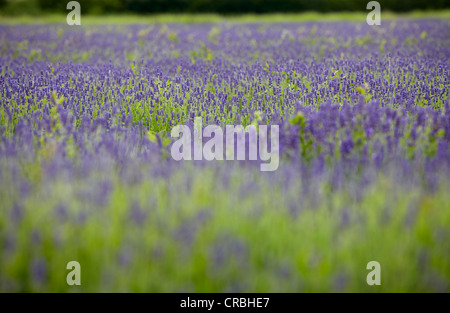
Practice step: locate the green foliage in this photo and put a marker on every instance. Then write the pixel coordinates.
(321, 247)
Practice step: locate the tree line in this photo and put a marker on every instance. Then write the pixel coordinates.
(218, 6)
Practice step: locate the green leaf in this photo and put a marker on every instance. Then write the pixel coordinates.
(361, 90)
(152, 137)
(299, 119)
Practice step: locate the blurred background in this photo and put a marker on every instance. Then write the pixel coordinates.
(35, 7)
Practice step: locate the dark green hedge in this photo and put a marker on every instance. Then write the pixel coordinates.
(230, 6)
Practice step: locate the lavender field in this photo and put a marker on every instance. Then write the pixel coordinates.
(86, 172)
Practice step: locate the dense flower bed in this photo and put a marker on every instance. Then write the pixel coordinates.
(86, 172)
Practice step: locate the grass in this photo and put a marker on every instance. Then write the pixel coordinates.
(215, 18)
